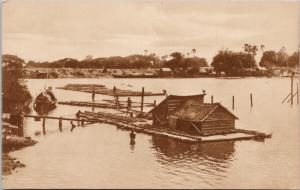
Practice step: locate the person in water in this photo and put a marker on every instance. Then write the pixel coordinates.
(132, 134)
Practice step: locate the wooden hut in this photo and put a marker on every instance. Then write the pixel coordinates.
(193, 116)
(161, 111)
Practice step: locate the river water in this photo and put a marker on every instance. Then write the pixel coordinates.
(100, 155)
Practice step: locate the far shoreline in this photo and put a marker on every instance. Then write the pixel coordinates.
(90, 73)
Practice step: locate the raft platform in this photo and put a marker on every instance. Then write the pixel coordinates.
(141, 125)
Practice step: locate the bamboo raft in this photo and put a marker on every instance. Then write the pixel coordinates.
(145, 126)
(99, 105)
(101, 89)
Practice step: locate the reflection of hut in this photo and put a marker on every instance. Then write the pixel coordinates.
(174, 149)
(189, 114)
(161, 111)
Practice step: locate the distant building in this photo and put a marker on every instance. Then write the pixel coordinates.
(40, 75)
(191, 115)
(285, 72)
(205, 70)
(166, 72)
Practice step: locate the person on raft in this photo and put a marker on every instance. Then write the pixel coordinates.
(78, 116)
(93, 95)
(129, 102)
(115, 90)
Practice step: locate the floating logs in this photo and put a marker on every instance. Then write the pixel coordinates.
(110, 105)
(101, 89)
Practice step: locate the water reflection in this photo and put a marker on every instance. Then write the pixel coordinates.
(206, 161)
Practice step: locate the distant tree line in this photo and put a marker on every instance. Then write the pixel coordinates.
(237, 63)
(136, 61)
(231, 62)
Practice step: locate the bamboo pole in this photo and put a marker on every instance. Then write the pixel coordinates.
(142, 101)
(292, 98)
(44, 125)
(297, 95)
(286, 98)
(60, 124)
(251, 100)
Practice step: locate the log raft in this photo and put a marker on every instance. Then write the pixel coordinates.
(98, 105)
(101, 89)
(145, 126)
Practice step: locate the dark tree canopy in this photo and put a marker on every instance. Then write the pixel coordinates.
(293, 60)
(268, 59)
(179, 61)
(232, 62)
(135, 61)
(279, 59)
(15, 93)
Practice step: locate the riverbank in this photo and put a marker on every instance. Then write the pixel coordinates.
(33, 72)
(10, 164)
(12, 143)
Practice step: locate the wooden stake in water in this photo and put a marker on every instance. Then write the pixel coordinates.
(251, 100)
(292, 98)
(60, 124)
(297, 95)
(142, 101)
(212, 99)
(44, 125)
(233, 102)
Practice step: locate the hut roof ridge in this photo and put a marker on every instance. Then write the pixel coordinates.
(193, 110)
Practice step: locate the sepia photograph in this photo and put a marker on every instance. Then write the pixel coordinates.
(150, 94)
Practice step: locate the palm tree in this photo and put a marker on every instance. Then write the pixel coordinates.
(193, 51)
(145, 51)
(262, 47)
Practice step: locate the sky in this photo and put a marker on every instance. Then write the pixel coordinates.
(47, 30)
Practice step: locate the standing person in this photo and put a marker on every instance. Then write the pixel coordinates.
(78, 116)
(129, 104)
(93, 95)
(115, 91)
(117, 102)
(73, 126)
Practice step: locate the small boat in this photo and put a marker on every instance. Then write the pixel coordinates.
(45, 102)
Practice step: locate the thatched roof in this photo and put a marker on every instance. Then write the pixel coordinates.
(180, 99)
(196, 111)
